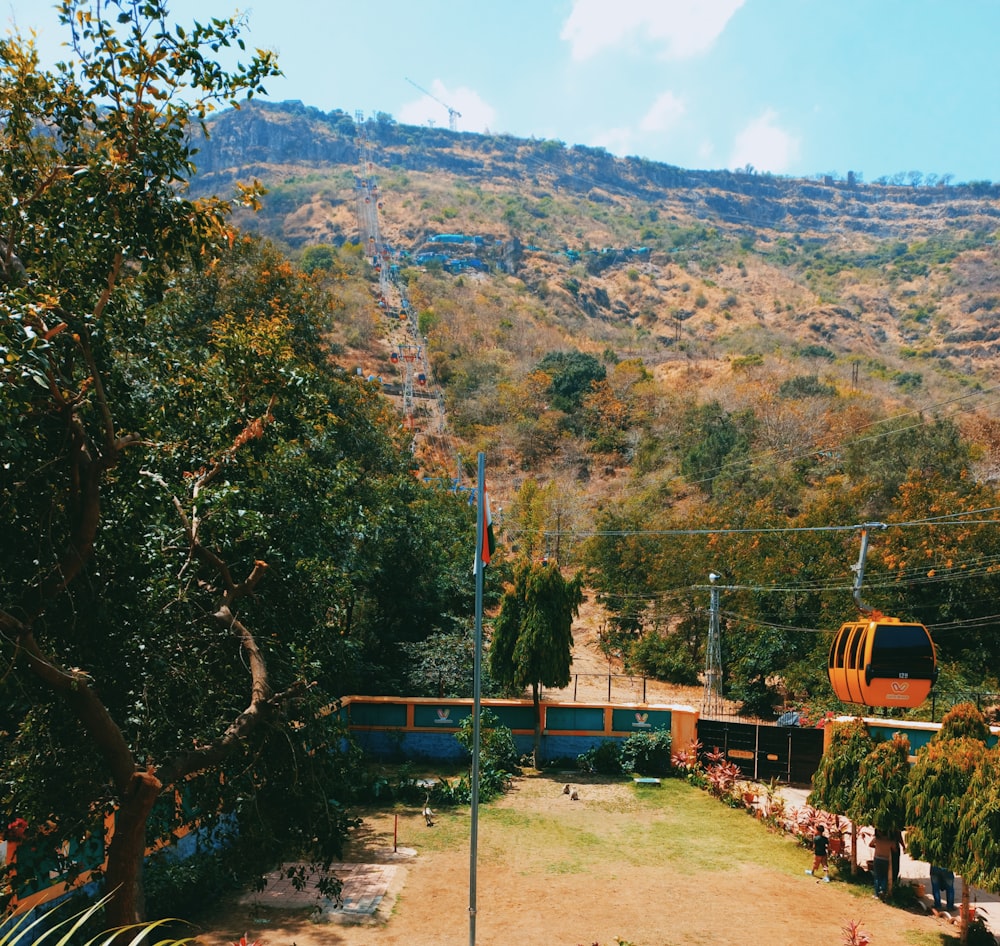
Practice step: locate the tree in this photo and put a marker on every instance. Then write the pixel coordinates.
(532, 638)
(963, 721)
(836, 778)
(878, 798)
(572, 374)
(205, 523)
(441, 665)
(93, 156)
(938, 783)
(720, 442)
(979, 827)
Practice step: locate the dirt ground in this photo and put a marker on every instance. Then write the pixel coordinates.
(541, 894)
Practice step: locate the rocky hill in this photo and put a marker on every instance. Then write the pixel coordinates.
(722, 285)
(272, 140)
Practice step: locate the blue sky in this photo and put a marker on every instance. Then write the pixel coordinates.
(794, 87)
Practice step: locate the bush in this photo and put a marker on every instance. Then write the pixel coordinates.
(647, 753)
(979, 934)
(498, 757)
(178, 887)
(665, 657)
(602, 759)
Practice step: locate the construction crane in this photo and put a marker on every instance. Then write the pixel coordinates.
(453, 113)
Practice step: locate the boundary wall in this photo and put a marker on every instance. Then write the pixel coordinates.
(918, 733)
(422, 728)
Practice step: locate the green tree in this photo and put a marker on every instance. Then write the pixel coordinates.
(622, 567)
(720, 442)
(879, 793)
(572, 374)
(976, 840)
(532, 639)
(206, 529)
(92, 157)
(441, 665)
(836, 778)
(905, 448)
(938, 783)
(322, 257)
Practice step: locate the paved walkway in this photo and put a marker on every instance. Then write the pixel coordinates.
(368, 890)
(917, 872)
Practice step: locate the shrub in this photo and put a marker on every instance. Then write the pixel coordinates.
(963, 720)
(498, 758)
(665, 657)
(805, 386)
(176, 886)
(647, 753)
(723, 778)
(602, 759)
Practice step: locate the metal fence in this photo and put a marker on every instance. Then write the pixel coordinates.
(601, 687)
(940, 703)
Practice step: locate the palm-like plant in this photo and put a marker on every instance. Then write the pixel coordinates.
(46, 929)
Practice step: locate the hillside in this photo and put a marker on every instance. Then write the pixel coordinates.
(721, 285)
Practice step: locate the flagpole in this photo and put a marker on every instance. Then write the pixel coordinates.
(477, 678)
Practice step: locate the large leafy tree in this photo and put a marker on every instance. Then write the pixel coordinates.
(836, 778)
(204, 523)
(573, 374)
(532, 642)
(719, 446)
(942, 572)
(938, 783)
(979, 825)
(92, 158)
(879, 793)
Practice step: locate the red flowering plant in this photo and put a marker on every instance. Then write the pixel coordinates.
(722, 778)
(854, 935)
(686, 760)
(17, 830)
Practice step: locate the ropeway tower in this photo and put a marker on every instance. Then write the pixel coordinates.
(711, 702)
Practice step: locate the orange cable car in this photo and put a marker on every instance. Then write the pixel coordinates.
(879, 660)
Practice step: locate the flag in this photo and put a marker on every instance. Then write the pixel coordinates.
(489, 539)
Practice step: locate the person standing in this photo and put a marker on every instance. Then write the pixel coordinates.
(821, 853)
(882, 846)
(943, 880)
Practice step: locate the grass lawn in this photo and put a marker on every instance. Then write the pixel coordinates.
(647, 865)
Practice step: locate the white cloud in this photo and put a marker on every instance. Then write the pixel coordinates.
(473, 113)
(765, 145)
(663, 114)
(684, 28)
(616, 140)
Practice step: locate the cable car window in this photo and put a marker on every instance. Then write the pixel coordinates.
(840, 647)
(857, 642)
(902, 651)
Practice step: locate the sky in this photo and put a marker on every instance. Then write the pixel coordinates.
(792, 87)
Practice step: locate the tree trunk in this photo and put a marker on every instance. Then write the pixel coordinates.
(127, 851)
(854, 849)
(536, 697)
(963, 923)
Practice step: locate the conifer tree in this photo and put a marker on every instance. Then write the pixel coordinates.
(532, 635)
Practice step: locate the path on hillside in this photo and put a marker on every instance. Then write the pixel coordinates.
(590, 670)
